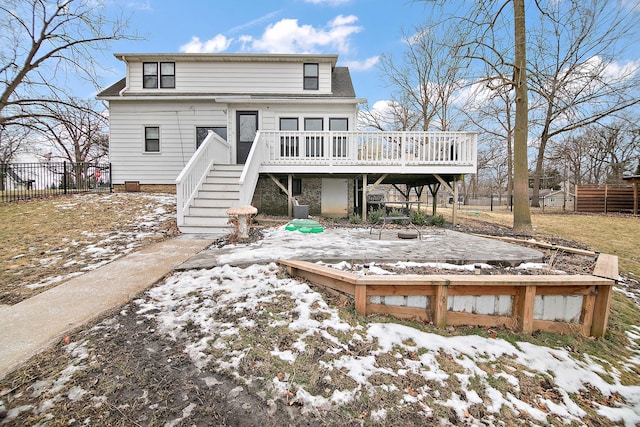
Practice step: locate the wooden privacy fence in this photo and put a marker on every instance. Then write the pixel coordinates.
(604, 199)
(560, 303)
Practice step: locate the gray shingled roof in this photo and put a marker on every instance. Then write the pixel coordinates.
(342, 87)
(114, 89)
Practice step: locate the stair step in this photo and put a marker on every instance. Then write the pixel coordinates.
(213, 202)
(220, 187)
(207, 221)
(217, 211)
(212, 194)
(217, 179)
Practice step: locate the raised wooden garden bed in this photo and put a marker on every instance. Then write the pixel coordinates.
(560, 303)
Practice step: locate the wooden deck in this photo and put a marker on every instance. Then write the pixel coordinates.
(431, 296)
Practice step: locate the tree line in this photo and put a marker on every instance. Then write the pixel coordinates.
(459, 71)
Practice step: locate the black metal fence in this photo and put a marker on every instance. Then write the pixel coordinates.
(22, 181)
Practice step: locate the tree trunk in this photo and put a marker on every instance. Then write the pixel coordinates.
(521, 209)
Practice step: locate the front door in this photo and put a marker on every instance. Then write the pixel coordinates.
(247, 126)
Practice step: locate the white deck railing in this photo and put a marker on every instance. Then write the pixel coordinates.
(373, 148)
(251, 170)
(212, 150)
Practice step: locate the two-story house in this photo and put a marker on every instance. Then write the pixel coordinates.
(261, 129)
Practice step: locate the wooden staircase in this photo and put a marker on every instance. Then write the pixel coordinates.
(208, 212)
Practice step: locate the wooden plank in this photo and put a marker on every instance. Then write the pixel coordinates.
(607, 267)
(586, 317)
(567, 290)
(523, 305)
(540, 244)
(481, 290)
(409, 313)
(320, 269)
(402, 279)
(322, 280)
(439, 304)
(484, 320)
(384, 290)
(523, 280)
(601, 311)
(361, 300)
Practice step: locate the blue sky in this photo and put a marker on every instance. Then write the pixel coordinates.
(357, 30)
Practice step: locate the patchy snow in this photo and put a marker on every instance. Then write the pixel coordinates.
(209, 298)
(102, 248)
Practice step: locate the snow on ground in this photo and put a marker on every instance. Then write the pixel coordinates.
(228, 304)
(98, 249)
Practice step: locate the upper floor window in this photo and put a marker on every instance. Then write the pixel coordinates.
(167, 75)
(311, 77)
(152, 139)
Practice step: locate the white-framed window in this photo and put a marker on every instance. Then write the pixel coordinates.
(203, 131)
(339, 124)
(163, 73)
(311, 77)
(151, 139)
(314, 145)
(289, 145)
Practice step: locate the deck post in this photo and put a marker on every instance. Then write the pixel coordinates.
(361, 299)
(523, 305)
(364, 198)
(290, 193)
(601, 311)
(454, 214)
(441, 298)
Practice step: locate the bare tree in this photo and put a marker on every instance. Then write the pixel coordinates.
(391, 116)
(575, 74)
(598, 154)
(429, 73)
(78, 133)
(44, 47)
(481, 37)
(12, 141)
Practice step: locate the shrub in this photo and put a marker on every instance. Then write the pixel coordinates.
(418, 218)
(355, 219)
(374, 216)
(437, 220)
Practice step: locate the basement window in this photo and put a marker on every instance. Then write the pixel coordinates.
(296, 185)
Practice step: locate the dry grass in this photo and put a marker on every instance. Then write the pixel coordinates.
(47, 241)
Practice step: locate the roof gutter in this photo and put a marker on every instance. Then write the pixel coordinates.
(126, 82)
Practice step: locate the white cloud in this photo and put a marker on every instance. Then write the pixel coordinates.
(288, 36)
(218, 43)
(365, 65)
(140, 5)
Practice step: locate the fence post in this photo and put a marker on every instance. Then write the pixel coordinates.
(110, 176)
(64, 177)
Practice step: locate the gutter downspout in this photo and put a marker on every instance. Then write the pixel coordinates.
(126, 83)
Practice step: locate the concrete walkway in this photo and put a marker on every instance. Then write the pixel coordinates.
(32, 325)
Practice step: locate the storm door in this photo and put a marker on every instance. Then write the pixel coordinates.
(246, 128)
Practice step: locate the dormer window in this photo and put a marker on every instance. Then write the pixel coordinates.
(167, 75)
(311, 77)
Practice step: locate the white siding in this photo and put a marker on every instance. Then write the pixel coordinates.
(177, 122)
(236, 78)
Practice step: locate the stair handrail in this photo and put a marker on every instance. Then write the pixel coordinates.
(213, 150)
(251, 171)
